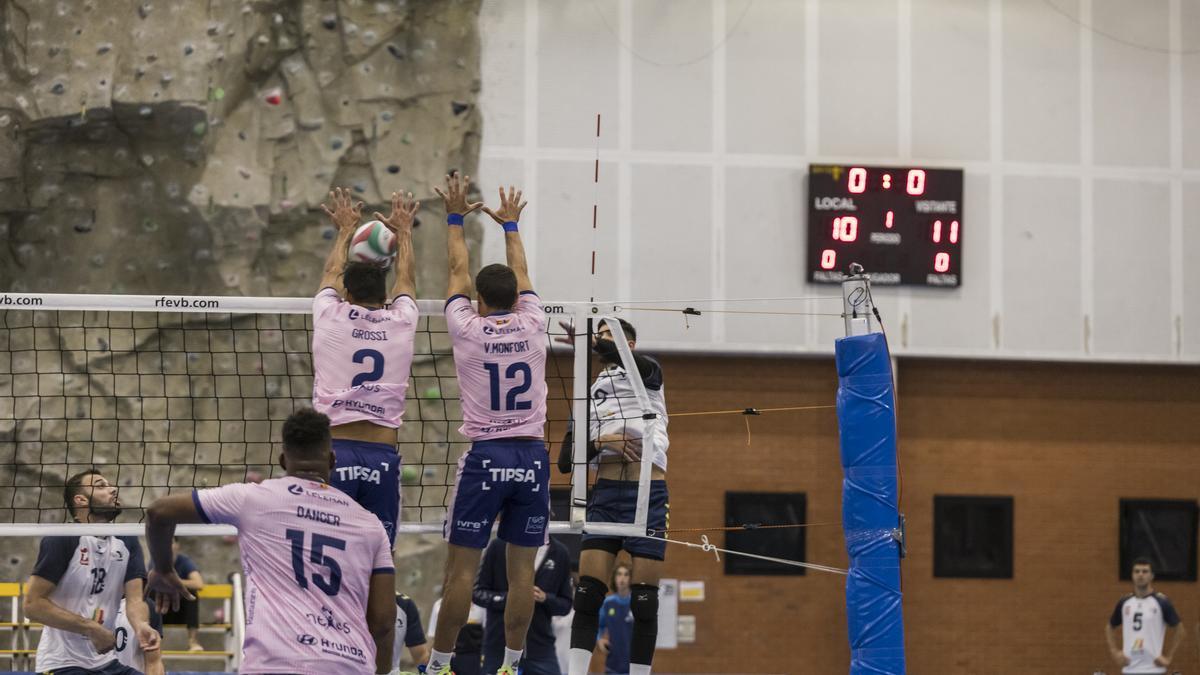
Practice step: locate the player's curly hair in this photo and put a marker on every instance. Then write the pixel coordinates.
(365, 282)
(306, 433)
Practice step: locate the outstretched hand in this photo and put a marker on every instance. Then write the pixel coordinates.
(404, 213)
(510, 207)
(342, 209)
(167, 589)
(455, 195)
(569, 338)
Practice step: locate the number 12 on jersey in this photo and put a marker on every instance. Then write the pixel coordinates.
(519, 368)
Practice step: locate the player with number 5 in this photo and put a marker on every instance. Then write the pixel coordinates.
(500, 359)
(363, 349)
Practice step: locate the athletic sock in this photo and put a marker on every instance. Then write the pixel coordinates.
(437, 661)
(511, 656)
(639, 669)
(578, 661)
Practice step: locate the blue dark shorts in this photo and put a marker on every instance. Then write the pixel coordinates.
(615, 501)
(370, 474)
(508, 479)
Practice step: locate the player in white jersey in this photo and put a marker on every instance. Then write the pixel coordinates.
(319, 571)
(618, 429)
(78, 584)
(500, 360)
(1143, 619)
(130, 653)
(362, 353)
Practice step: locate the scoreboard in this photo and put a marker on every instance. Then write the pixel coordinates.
(902, 224)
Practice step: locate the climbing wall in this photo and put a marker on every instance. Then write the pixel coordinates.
(184, 147)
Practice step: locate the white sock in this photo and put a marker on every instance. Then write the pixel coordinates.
(511, 656)
(578, 661)
(438, 660)
(639, 669)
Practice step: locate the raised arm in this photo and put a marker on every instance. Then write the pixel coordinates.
(507, 216)
(161, 518)
(457, 207)
(344, 213)
(400, 222)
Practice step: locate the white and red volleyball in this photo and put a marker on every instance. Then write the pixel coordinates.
(374, 243)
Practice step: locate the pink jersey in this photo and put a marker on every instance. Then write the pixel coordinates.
(309, 553)
(501, 364)
(361, 359)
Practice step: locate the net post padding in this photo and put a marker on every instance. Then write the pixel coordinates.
(870, 496)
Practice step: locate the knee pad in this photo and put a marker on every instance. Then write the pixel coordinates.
(643, 603)
(589, 596)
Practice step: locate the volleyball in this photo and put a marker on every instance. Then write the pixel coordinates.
(374, 243)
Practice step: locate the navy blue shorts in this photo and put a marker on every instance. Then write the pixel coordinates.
(370, 474)
(508, 479)
(615, 501)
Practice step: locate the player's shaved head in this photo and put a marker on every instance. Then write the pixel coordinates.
(497, 286)
(365, 283)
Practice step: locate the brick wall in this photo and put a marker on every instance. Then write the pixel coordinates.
(1066, 441)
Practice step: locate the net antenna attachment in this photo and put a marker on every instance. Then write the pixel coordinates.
(858, 310)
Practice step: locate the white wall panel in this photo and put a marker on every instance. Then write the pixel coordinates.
(1190, 65)
(502, 69)
(1042, 288)
(670, 249)
(950, 102)
(765, 74)
(577, 74)
(857, 84)
(1191, 271)
(672, 76)
(1132, 290)
(1041, 82)
(1131, 83)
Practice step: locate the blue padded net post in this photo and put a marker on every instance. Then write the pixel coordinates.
(867, 420)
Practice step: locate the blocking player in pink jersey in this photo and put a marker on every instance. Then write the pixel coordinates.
(362, 353)
(319, 572)
(500, 359)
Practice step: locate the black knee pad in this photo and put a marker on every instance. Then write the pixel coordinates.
(589, 596)
(643, 603)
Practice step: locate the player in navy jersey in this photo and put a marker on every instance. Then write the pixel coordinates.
(618, 433)
(78, 584)
(409, 632)
(362, 353)
(1143, 619)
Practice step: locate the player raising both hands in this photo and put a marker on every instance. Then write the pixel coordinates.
(362, 353)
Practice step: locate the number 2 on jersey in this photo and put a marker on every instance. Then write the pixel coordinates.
(376, 371)
(317, 556)
(510, 400)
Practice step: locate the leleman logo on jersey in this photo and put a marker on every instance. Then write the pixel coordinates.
(319, 495)
(358, 473)
(326, 620)
(370, 317)
(295, 489)
(537, 525)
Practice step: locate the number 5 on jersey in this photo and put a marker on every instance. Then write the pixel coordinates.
(519, 368)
